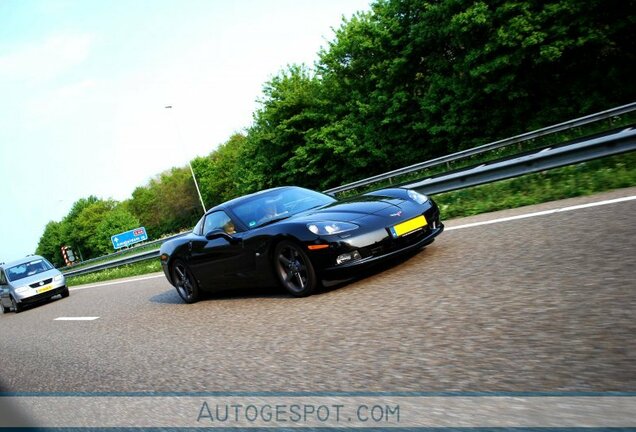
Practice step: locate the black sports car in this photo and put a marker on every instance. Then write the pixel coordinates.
(296, 237)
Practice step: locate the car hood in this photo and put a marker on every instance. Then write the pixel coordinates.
(49, 274)
(353, 208)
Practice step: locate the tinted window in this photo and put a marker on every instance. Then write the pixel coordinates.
(198, 228)
(28, 269)
(218, 220)
(277, 204)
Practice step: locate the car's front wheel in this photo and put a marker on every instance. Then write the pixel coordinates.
(185, 282)
(17, 307)
(6, 309)
(294, 269)
(65, 292)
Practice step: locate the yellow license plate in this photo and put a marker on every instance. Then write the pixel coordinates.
(408, 226)
(44, 289)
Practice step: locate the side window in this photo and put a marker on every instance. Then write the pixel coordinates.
(218, 220)
(198, 228)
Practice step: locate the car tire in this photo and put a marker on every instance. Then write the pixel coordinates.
(294, 269)
(6, 309)
(184, 282)
(17, 307)
(65, 292)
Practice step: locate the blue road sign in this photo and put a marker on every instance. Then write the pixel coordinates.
(129, 237)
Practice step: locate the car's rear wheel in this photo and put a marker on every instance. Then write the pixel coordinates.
(294, 269)
(17, 307)
(185, 282)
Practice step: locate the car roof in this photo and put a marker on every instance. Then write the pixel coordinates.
(26, 259)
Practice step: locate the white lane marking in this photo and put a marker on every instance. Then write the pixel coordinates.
(75, 318)
(543, 213)
(81, 287)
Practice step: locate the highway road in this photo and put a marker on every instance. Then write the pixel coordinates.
(544, 303)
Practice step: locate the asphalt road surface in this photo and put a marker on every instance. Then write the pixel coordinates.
(545, 303)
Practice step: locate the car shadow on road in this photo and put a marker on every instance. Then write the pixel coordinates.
(170, 296)
(38, 304)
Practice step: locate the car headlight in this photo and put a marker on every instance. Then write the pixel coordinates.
(22, 289)
(417, 197)
(58, 278)
(329, 228)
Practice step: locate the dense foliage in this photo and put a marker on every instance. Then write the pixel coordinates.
(404, 82)
(167, 204)
(87, 228)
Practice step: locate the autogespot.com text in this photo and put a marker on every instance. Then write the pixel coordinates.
(298, 413)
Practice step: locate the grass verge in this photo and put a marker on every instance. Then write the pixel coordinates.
(571, 181)
(135, 269)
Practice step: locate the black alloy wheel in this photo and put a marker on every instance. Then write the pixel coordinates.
(184, 282)
(294, 269)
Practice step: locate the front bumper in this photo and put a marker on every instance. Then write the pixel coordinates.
(375, 246)
(166, 271)
(35, 298)
(382, 254)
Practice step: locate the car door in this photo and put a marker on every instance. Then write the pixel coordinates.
(5, 298)
(221, 259)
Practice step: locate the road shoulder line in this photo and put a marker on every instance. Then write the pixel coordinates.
(543, 213)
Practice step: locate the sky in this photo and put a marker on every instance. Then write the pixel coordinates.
(84, 85)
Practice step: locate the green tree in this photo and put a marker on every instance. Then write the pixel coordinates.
(167, 204)
(278, 144)
(84, 229)
(414, 79)
(144, 205)
(50, 244)
(68, 227)
(219, 175)
(179, 203)
(495, 69)
(116, 221)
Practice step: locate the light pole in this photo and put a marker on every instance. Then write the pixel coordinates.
(189, 164)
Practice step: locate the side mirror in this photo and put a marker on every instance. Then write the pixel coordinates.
(219, 233)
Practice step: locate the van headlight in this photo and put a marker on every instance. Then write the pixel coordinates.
(22, 289)
(417, 197)
(58, 278)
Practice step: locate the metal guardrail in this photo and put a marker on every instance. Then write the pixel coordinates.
(116, 263)
(126, 251)
(122, 261)
(603, 115)
(608, 144)
(539, 160)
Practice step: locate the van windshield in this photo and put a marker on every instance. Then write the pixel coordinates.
(27, 269)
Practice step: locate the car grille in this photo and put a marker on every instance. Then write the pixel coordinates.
(41, 283)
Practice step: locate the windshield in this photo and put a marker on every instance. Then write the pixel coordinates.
(28, 269)
(278, 204)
